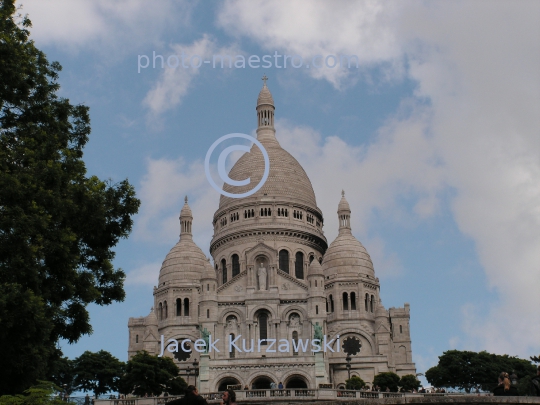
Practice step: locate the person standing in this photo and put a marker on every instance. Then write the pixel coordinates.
(228, 397)
(505, 388)
(536, 382)
(280, 385)
(86, 400)
(191, 397)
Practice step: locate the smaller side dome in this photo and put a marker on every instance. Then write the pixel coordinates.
(209, 273)
(315, 269)
(151, 318)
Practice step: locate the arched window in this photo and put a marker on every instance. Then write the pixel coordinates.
(311, 257)
(208, 313)
(353, 301)
(331, 303)
(235, 265)
(372, 302)
(295, 339)
(345, 301)
(179, 307)
(400, 329)
(136, 338)
(224, 270)
(232, 352)
(284, 260)
(160, 311)
(299, 266)
(367, 302)
(263, 327)
(186, 307)
(316, 310)
(327, 305)
(165, 310)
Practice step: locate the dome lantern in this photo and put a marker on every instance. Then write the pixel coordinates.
(265, 114)
(186, 220)
(344, 214)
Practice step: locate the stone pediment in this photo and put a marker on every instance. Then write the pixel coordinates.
(261, 248)
(235, 286)
(382, 328)
(287, 282)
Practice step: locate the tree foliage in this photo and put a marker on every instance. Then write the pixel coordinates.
(62, 374)
(355, 383)
(147, 374)
(387, 380)
(57, 225)
(465, 370)
(40, 394)
(409, 382)
(98, 372)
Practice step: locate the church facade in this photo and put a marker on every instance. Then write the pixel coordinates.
(274, 281)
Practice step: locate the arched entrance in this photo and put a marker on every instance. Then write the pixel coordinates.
(261, 383)
(227, 381)
(296, 382)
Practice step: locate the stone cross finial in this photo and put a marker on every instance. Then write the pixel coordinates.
(343, 193)
(264, 79)
(185, 199)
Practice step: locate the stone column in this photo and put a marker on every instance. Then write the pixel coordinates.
(204, 373)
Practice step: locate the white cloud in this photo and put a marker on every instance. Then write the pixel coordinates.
(174, 82)
(146, 274)
(162, 193)
(477, 66)
(102, 24)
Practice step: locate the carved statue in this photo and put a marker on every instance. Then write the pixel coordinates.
(318, 331)
(295, 320)
(206, 337)
(261, 273)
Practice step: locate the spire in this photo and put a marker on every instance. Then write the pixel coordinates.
(344, 214)
(186, 220)
(265, 114)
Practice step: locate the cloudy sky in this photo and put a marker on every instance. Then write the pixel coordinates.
(434, 137)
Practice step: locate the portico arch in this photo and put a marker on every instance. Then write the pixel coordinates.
(262, 382)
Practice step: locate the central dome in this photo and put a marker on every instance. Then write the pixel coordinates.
(286, 179)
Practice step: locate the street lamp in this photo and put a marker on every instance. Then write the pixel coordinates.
(195, 371)
(348, 360)
(514, 378)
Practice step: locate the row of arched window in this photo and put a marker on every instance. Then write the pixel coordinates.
(235, 267)
(163, 309)
(297, 214)
(310, 218)
(266, 212)
(351, 299)
(235, 216)
(283, 212)
(249, 213)
(266, 118)
(223, 221)
(298, 263)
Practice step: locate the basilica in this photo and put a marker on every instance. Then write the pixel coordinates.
(275, 303)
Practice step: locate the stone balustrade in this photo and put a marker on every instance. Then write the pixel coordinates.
(330, 396)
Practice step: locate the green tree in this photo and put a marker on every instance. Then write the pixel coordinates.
(466, 370)
(409, 382)
(57, 225)
(62, 374)
(146, 374)
(98, 372)
(355, 383)
(387, 380)
(40, 394)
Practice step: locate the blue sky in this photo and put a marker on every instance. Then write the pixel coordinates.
(434, 138)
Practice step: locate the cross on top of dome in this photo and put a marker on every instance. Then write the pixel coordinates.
(264, 79)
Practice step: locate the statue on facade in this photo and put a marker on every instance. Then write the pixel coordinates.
(206, 337)
(318, 331)
(261, 273)
(295, 320)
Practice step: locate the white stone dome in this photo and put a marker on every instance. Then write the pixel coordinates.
(287, 179)
(346, 256)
